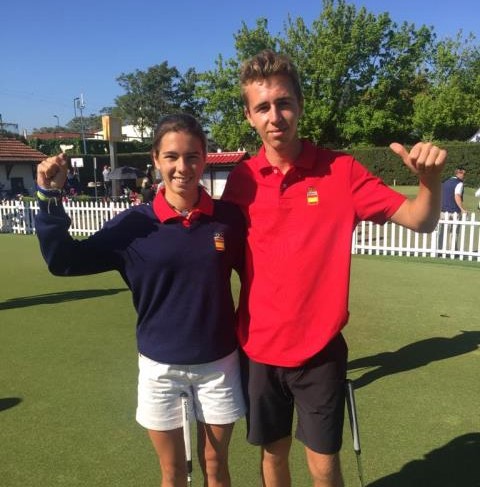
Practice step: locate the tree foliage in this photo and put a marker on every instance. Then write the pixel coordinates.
(366, 81)
(156, 92)
(220, 90)
(449, 107)
(90, 123)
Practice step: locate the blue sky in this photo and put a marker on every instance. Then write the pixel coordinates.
(52, 51)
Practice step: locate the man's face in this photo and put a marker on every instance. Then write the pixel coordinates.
(273, 111)
(460, 174)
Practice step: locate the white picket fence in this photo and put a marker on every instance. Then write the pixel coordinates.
(87, 217)
(456, 238)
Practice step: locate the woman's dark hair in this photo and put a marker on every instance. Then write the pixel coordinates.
(178, 122)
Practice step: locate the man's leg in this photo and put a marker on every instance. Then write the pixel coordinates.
(320, 402)
(269, 421)
(325, 469)
(275, 466)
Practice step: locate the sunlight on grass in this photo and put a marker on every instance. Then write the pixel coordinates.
(68, 389)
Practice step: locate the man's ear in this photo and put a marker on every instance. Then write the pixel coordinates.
(246, 112)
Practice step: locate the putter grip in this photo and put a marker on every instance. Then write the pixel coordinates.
(352, 413)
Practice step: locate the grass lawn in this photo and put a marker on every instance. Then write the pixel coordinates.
(68, 378)
(470, 201)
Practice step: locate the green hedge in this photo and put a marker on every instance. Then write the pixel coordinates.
(384, 163)
(379, 160)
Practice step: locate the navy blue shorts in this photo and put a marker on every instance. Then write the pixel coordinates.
(316, 390)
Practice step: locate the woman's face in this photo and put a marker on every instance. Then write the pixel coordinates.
(181, 160)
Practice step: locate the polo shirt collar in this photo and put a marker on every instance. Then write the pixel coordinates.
(164, 212)
(305, 160)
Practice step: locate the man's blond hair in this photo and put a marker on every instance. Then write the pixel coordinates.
(265, 64)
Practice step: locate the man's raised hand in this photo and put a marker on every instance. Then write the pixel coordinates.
(423, 159)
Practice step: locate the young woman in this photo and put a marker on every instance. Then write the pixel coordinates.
(176, 256)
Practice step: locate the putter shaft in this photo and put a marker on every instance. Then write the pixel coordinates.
(352, 415)
(186, 436)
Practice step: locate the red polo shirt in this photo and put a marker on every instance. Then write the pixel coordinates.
(295, 295)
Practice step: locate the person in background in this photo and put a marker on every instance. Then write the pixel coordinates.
(302, 204)
(452, 193)
(176, 256)
(147, 191)
(72, 185)
(107, 184)
(477, 195)
(452, 208)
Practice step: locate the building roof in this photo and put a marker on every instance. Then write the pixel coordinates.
(220, 158)
(14, 150)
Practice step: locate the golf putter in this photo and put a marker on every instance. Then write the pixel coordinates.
(186, 436)
(352, 415)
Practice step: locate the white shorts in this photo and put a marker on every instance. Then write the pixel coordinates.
(214, 390)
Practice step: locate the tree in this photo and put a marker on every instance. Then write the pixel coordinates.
(220, 90)
(149, 94)
(156, 92)
(359, 73)
(186, 95)
(90, 123)
(449, 107)
(48, 130)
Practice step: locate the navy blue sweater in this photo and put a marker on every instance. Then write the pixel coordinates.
(448, 195)
(179, 275)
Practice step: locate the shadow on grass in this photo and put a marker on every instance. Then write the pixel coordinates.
(414, 355)
(54, 298)
(9, 402)
(453, 465)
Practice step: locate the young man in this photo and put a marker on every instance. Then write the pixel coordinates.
(302, 204)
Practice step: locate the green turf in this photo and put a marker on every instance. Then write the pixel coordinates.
(470, 201)
(68, 378)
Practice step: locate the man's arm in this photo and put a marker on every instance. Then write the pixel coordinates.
(459, 197)
(426, 161)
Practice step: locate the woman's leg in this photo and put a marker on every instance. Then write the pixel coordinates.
(213, 442)
(171, 456)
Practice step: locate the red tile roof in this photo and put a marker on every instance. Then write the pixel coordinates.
(14, 150)
(226, 157)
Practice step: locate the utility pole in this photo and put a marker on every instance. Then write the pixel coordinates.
(79, 102)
